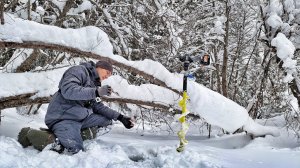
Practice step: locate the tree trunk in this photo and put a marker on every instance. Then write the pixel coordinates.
(29, 9)
(225, 54)
(217, 72)
(28, 64)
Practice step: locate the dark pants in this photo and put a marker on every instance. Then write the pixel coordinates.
(68, 131)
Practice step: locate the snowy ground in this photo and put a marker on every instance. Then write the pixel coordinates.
(122, 148)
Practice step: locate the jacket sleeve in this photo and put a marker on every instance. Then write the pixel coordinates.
(71, 85)
(100, 108)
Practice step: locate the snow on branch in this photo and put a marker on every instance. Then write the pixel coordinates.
(42, 45)
(285, 51)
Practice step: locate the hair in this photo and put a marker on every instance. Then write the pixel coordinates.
(104, 65)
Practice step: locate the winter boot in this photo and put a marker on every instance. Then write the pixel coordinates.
(22, 137)
(39, 139)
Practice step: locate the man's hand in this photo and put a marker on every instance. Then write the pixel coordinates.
(104, 90)
(126, 121)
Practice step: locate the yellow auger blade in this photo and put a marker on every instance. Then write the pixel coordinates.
(184, 126)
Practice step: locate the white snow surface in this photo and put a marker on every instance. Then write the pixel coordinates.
(123, 148)
(210, 105)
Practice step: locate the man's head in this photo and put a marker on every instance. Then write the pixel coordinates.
(104, 69)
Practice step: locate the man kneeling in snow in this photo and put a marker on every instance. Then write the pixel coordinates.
(74, 108)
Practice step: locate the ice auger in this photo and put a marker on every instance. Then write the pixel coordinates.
(204, 59)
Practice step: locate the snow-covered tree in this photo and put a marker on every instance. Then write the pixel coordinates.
(280, 28)
(156, 30)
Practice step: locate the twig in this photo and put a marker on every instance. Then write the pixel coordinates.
(2, 12)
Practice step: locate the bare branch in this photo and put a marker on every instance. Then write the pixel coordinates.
(21, 100)
(64, 12)
(25, 99)
(2, 12)
(11, 5)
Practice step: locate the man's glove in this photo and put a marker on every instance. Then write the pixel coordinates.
(126, 121)
(104, 90)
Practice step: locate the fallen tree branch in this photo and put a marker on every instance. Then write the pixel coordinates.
(22, 100)
(15, 98)
(41, 45)
(25, 99)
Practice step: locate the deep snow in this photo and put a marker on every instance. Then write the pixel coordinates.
(131, 148)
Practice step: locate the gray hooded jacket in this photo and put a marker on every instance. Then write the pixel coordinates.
(75, 99)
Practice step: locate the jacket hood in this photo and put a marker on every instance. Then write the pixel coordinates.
(91, 67)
